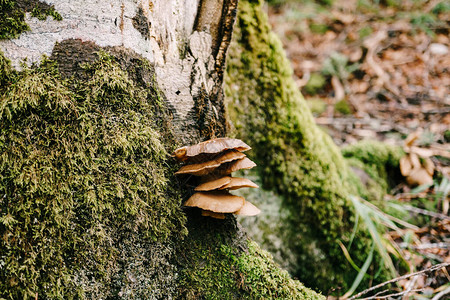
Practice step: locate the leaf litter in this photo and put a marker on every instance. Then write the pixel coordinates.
(381, 70)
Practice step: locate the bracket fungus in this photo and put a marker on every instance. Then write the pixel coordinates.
(214, 160)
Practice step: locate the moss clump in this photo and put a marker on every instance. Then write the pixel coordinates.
(83, 166)
(295, 158)
(42, 14)
(220, 265)
(379, 161)
(315, 83)
(12, 16)
(343, 107)
(12, 20)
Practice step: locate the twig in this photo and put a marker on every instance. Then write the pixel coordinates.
(391, 295)
(441, 293)
(426, 246)
(426, 212)
(433, 268)
(411, 284)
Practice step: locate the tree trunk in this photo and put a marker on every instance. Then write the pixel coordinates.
(89, 206)
(306, 203)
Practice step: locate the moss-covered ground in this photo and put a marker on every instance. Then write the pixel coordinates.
(296, 159)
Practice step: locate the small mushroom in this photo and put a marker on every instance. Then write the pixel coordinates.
(209, 166)
(214, 160)
(237, 183)
(219, 202)
(214, 184)
(248, 210)
(210, 147)
(208, 213)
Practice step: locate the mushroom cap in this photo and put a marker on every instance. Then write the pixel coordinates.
(220, 202)
(248, 210)
(210, 147)
(237, 183)
(180, 153)
(243, 163)
(213, 184)
(207, 167)
(208, 213)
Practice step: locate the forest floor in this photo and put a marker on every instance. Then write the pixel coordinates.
(381, 70)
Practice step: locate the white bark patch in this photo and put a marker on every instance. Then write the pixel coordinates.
(182, 58)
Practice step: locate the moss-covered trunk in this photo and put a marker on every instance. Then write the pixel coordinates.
(89, 206)
(296, 160)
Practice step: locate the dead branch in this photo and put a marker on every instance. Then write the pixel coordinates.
(426, 212)
(441, 293)
(404, 293)
(431, 269)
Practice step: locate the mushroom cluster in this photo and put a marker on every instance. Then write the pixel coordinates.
(214, 161)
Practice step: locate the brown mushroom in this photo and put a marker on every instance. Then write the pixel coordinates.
(214, 184)
(210, 147)
(208, 213)
(248, 210)
(237, 183)
(234, 166)
(220, 202)
(209, 166)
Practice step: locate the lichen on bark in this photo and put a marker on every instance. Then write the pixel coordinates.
(12, 16)
(296, 159)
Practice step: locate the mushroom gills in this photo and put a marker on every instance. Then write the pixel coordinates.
(208, 167)
(208, 213)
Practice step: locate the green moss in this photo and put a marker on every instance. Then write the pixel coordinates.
(12, 16)
(223, 266)
(343, 107)
(295, 158)
(83, 166)
(315, 83)
(12, 20)
(316, 105)
(42, 14)
(379, 161)
(263, 279)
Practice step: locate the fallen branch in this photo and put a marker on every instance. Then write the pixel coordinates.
(426, 212)
(431, 269)
(404, 293)
(441, 293)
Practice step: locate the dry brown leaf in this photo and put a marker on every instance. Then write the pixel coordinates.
(419, 176)
(431, 152)
(429, 166)
(405, 165)
(415, 161)
(411, 138)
